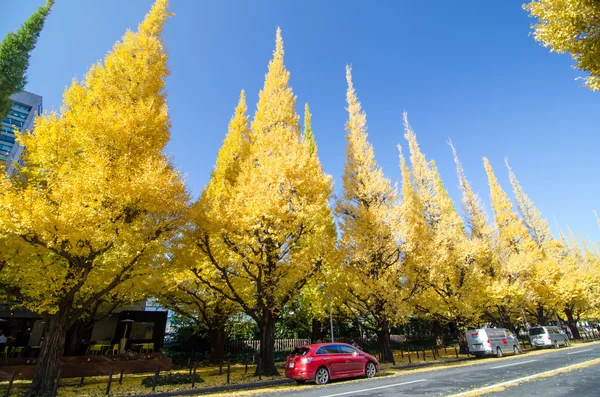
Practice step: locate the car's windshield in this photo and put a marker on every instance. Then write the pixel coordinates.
(300, 351)
(536, 331)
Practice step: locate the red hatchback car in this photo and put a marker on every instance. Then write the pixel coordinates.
(324, 361)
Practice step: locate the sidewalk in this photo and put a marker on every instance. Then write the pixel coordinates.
(220, 389)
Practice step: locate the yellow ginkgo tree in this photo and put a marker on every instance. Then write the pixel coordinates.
(378, 285)
(451, 269)
(262, 227)
(96, 201)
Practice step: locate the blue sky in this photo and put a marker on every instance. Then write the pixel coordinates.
(465, 70)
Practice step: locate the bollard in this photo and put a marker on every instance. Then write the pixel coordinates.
(109, 380)
(417, 350)
(194, 374)
(409, 360)
(259, 368)
(228, 370)
(433, 353)
(81, 381)
(221, 367)
(445, 350)
(189, 366)
(456, 351)
(156, 373)
(402, 354)
(121, 376)
(424, 355)
(56, 382)
(246, 365)
(10, 383)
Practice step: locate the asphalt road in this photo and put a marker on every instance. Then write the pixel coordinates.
(485, 373)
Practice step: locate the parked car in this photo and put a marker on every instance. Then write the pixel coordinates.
(547, 336)
(322, 362)
(488, 341)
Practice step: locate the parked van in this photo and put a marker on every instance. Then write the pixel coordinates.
(488, 341)
(547, 336)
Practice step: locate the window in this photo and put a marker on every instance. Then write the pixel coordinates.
(300, 351)
(321, 350)
(16, 113)
(332, 349)
(8, 139)
(536, 331)
(8, 130)
(12, 121)
(142, 330)
(347, 349)
(25, 108)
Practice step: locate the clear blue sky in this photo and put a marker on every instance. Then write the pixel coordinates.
(465, 70)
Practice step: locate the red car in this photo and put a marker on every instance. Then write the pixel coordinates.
(324, 361)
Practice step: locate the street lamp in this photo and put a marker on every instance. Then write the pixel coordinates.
(322, 286)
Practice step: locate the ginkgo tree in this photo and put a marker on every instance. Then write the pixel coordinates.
(452, 269)
(96, 201)
(369, 221)
(262, 226)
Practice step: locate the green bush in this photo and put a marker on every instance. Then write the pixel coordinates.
(171, 379)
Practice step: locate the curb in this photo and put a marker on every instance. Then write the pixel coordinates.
(196, 392)
(431, 363)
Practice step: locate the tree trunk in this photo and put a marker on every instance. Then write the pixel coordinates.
(266, 363)
(317, 332)
(541, 317)
(383, 336)
(75, 335)
(51, 351)
(217, 344)
(572, 323)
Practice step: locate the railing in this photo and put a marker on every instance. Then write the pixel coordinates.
(253, 345)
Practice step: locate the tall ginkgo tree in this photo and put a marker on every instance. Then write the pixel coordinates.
(370, 241)
(453, 274)
(548, 253)
(510, 288)
(262, 227)
(97, 200)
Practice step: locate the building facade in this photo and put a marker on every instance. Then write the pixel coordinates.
(26, 106)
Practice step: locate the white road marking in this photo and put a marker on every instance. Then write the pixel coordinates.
(580, 351)
(519, 380)
(510, 365)
(375, 388)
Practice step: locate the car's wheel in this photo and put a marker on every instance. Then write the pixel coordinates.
(516, 350)
(566, 342)
(300, 381)
(370, 370)
(556, 344)
(322, 376)
(499, 352)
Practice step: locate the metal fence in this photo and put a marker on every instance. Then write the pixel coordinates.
(253, 345)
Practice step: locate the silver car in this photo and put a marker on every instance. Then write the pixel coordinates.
(547, 336)
(488, 341)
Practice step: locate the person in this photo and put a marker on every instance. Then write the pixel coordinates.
(2, 341)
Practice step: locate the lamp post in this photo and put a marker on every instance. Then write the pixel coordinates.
(127, 321)
(330, 315)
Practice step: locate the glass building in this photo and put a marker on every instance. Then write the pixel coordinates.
(26, 106)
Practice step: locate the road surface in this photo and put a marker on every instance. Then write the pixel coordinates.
(557, 372)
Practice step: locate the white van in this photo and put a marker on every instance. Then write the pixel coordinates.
(547, 336)
(488, 341)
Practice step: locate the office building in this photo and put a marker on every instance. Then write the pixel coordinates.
(26, 106)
